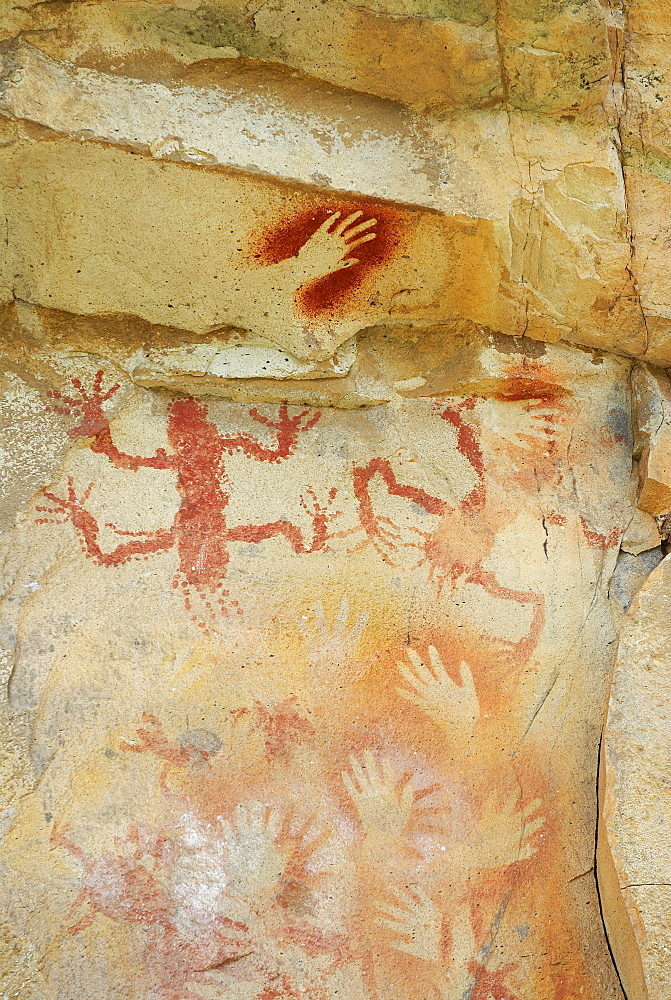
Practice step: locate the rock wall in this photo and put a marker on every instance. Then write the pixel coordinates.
(334, 451)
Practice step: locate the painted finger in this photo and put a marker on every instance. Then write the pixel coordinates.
(256, 811)
(421, 668)
(388, 773)
(354, 231)
(408, 948)
(438, 665)
(343, 264)
(360, 627)
(349, 785)
(342, 226)
(240, 816)
(524, 441)
(467, 682)
(390, 924)
(412, 698)
(533, 827)
(414, 656)
(343, 615)
(393, 914)
(531, 808)
(370, 766)
(320, 617)
(326, 225)
(362, 239)
(510, 804)
(407, 797)
(407, 675)
(423, 793)
(359, 772)
(274, 823)
(423, 897)
(405, 897)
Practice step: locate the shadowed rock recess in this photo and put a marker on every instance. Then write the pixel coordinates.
(335, 468)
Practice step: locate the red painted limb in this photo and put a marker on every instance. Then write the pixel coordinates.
(467, 445)
(487, 580)
(255, 533)
(104, 445)
(381, 466)
(287, 429)
(87, 406)
(174, 754)
(87, 528)
(321, 516)
(595, 540)
(58, 839)
(86, 920)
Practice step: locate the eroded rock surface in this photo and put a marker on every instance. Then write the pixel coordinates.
(334, 447)
(636, 794)
(315, 694)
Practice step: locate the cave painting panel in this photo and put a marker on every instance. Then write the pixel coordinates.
(320, 243)
(303, 269)
(326, 269)
(316, 713)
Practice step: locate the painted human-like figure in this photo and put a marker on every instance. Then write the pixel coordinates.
(313, 691)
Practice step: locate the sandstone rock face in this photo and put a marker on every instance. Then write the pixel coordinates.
(646, 147)
(636, 794)
(293, 678)
(334, 449)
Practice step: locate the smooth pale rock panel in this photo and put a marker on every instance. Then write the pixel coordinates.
(303, 269)
(636, 875)
(532, 240)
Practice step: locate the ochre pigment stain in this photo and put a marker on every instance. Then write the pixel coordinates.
(199, 531)
(334, 293)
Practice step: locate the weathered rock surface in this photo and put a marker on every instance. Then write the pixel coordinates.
(531, 238)
(334, 448)
(545, 58)
(636, 797)
(315, 694)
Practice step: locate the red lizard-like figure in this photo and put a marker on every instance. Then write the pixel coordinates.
(199, 530)
(463, 523)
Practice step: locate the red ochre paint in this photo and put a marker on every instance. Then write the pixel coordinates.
(199, 531)
(333, 293)
(516, 390)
